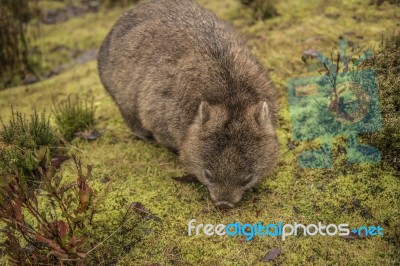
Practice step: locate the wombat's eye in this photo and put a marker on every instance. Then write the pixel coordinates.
(208, 176)
(247, 180)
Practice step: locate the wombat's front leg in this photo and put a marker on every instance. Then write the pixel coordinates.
(137, 130)
(166, 144)
(143, 135)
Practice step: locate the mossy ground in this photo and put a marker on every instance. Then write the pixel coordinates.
(355, 194)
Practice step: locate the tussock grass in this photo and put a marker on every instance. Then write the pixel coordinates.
(73, 115)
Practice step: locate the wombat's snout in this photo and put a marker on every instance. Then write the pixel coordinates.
(225, 205)
(225, 199)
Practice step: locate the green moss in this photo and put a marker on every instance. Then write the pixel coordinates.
(386, 64)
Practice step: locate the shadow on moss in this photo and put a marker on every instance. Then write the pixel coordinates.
(262, 9)
(386, 64)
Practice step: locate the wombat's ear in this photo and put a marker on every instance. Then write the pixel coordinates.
(262, 114)
(204, 112)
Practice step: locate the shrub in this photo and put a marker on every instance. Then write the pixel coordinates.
(28, 133)
(13, 157)
(58, 223)
(20, 141)
(73, 115)
(386, 63)
(36, 237)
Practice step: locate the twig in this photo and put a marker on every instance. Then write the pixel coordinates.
(113, 233)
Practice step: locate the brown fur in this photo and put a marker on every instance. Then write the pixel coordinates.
(184, 77)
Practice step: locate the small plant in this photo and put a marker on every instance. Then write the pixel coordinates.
(20, 140)
(343, 101)
(262, 9)
(73, 115)
(34, 236)
(14, 158)
(336, 68)
(57, 223)
(28, 133)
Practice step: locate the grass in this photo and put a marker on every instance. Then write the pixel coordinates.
(73, 115)
(20, 140)
(141, 172)
(28, 133)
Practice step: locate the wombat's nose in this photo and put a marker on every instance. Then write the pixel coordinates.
(224, 205)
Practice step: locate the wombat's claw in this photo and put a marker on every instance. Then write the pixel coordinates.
(141, 137)
(224, 205)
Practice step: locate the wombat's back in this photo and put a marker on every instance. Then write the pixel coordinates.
(163, 58)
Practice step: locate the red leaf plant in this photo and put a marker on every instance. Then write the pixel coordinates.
(44, 226)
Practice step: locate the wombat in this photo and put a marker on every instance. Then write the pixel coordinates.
(182, 76)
